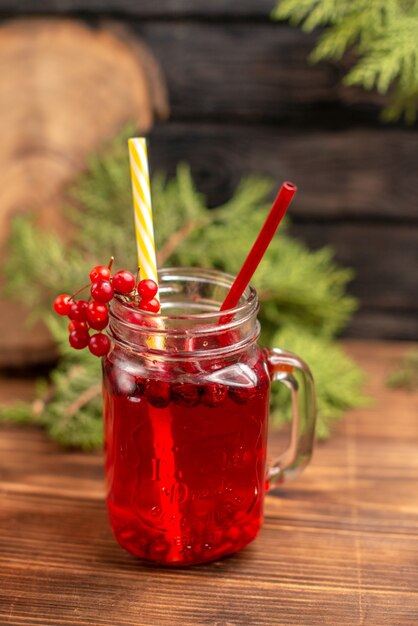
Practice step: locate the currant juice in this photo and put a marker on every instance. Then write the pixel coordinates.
(185, 455)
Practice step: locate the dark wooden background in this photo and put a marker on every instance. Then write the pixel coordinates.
(244, 99)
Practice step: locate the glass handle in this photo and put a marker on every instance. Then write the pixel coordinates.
(291, 371)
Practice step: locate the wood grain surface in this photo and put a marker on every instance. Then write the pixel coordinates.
(380, 255)
(360, 174)
(339, 545)
(251, 71)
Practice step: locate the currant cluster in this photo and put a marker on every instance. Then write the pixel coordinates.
(93, 314)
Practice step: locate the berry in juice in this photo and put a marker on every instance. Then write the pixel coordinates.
(185, 459)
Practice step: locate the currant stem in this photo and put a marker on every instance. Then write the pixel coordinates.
(112, 258)
(79, 291)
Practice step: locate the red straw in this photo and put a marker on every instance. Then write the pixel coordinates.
(279, 208)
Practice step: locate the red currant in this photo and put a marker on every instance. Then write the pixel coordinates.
(185, 394)
(158, 393)
(78, 310)
(75, 325)
(158, 549)
(147, 288)
(97, 313)
(100, 272)
(102, 290)
(123, 281)
(99, 344)
(79, 338)
(99, 325)
(241, 395)
(62, 304)
(213, 394)
(153, 306)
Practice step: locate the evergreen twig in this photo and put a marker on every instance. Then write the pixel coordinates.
(84, 398)
(175, 240)
(382, 34)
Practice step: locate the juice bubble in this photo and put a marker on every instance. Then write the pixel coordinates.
(156, 511)
(188, 553)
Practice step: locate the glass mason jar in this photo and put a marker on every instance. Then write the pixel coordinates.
(186, 406)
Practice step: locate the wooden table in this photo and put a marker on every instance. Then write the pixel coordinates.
(339, 546)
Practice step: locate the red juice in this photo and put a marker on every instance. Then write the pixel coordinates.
(185, 456)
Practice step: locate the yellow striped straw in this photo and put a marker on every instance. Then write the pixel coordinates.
(141, 192)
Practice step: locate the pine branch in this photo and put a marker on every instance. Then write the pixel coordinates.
(84, 398)
(382, 35)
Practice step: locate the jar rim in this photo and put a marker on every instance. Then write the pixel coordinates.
(248, 304)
